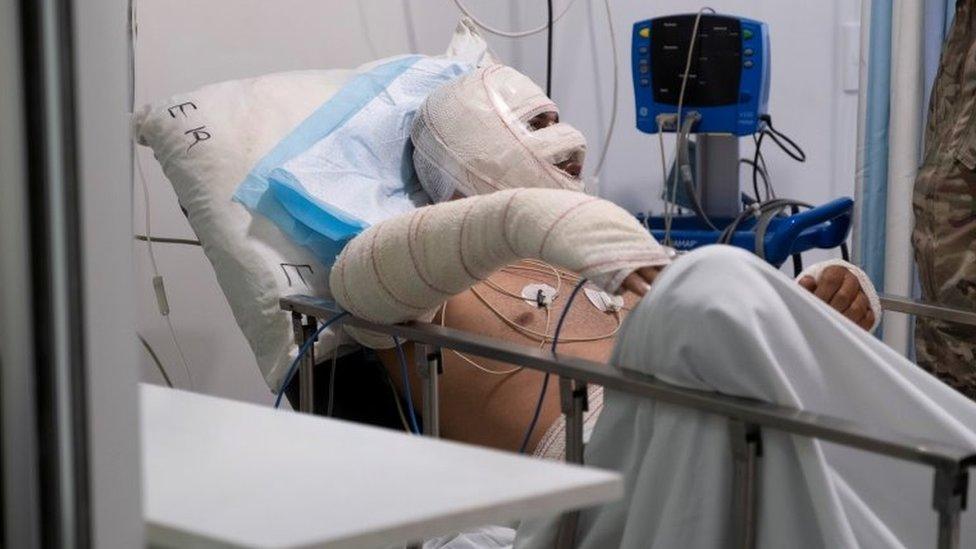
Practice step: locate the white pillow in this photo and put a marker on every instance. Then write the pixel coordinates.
(207, 141)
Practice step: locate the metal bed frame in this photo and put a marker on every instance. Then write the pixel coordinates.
(747, 418)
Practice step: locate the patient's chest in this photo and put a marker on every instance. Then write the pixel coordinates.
(490, 403)
(490, 309)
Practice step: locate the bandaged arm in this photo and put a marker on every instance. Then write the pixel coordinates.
(404, 268)
(874, 302)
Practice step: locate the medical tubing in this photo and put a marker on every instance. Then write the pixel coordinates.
(396, 401)
(684, 78)
(765, 170)
(797, 264)
(545, 380)
(769, 180)
(669, 195)
(682, 166)
(473, 363)
(565, 313)
(614, 93)
(512, 34)
(508, 268)
(158, 286)
(532, 334)
(543, 337)
(765, 211)
(535, 414)
(482, 369)
(758, 163)
(766, 218)
(411, 412)
(549, 48)
(678, 127)
(750, 210)
(797, 257)
(664, 177)
(332, 373)
(147, 217)
(796, 153)
(762, 174)
(754, 209)
(686, 175)
(677, 121)
(301, 352)
(755, 168)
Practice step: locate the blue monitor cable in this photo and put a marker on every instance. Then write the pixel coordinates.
(411, 412)
(301, 352)
(545, 380)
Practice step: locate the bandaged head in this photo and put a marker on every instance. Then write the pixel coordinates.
(473, 136)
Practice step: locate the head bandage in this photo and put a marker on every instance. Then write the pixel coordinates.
(472, 136)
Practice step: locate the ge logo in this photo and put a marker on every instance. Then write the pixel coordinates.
(642, 111)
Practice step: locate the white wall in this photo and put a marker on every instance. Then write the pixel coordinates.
(187, 43)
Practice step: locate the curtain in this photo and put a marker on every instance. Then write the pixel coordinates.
(900, 45)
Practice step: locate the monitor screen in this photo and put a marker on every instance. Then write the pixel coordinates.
(716, 64)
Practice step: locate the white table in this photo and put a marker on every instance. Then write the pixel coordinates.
(219, 473)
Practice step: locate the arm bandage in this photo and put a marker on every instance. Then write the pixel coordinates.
(406, 267)
(862, 278)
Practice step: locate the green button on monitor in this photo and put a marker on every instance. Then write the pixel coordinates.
(746, 33)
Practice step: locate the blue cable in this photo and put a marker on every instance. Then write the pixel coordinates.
(406, 386)
(301, 352)
(545, 380)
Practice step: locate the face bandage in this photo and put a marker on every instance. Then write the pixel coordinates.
(406, 267)
(472, 136)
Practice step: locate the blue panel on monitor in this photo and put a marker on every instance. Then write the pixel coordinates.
(728, 83)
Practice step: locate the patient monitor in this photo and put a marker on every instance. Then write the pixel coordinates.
(706, 78)
(728, 81)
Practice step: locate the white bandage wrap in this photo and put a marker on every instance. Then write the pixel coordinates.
(471, 136)
(862, 278)
(406, 267)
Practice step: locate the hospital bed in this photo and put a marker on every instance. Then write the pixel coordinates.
(235, 241)
(746, 418)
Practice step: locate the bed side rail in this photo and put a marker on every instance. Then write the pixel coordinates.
(747, 417)
(930, 310)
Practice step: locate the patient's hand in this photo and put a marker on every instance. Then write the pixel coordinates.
(839, 288)
(640, 280)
